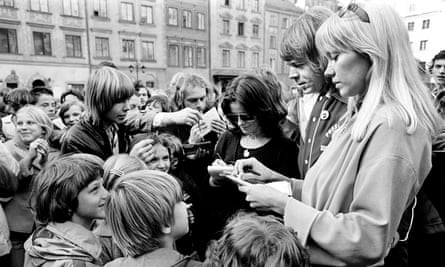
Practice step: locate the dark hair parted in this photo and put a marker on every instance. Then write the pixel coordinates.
(38, 91)
(56, 188)
(256, 99)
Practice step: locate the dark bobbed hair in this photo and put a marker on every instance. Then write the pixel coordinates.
(75, 93)
(254, 96)
(19, 98)
(56, 188)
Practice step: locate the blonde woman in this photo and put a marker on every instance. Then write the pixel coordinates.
(348, 209)
(30, 150)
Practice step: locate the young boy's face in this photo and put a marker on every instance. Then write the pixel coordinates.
(48, 104)
(181, 223)
(91, 201)
(159, 159)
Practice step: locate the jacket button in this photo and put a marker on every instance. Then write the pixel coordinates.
(309, 140)
(306, 161)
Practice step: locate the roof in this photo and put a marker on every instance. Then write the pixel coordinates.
(283, 5)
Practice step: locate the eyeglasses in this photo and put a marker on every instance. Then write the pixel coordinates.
(360, 12)
(240, 116)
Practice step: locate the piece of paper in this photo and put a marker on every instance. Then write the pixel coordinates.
(211, 114)
(281, 186)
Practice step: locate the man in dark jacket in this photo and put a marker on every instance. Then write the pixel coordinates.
(319, 108)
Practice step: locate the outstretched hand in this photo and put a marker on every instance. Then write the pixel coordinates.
(253, 171)
(186, 116)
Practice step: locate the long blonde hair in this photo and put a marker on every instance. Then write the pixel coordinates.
(394, 81)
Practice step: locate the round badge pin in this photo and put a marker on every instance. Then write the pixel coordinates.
(324, 115)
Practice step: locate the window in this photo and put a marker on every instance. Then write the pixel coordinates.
(255, 59)
(256, 5)
(241, 28)
(226, 26)
(73, 46)
(172, 16)
(188, 56)
(410, 26)
(272, 62)
(42, 43)
(255, 30)
(200, 57)
(226, 58)
(273, 20)
(227, 3)
(9, 3)
(273, 42)
(147, 14)
(242, 4)
(173, 55)
(102, 47)
(186, 19)
(241, 59)
(426, 24)
(423, 45)
(71, 8)
(39, 5)
(201, 21)
(128, 49)
(127, 11)
(8, 41)
(148, 51)
(285, 23)
(76, 86)
(100, 8)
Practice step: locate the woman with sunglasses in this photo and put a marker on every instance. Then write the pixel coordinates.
(348, 209)
(255, 113)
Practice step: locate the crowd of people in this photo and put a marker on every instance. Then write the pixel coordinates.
(118, 175)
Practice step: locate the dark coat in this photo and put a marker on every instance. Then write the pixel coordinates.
(85, 137)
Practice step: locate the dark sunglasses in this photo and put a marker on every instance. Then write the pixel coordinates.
(241, 116)
(360, 12)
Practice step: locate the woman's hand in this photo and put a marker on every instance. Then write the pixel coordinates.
(218, 126)
(253, 171)
(198, 131)
(142, 150)
(264, 197)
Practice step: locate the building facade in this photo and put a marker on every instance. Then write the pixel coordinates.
(424, 23)
(279, 15)
(43, 43)
(237, 33)
(187, 37)
(58, 43)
